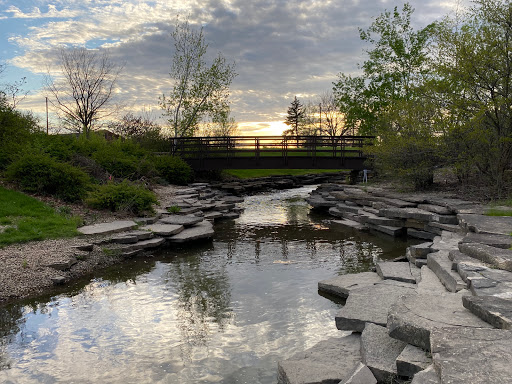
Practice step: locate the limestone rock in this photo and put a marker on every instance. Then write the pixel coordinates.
(427, 376)
(369, 305)
(361, 375)
(379, 352)
(395, 271)
(344, 284)
(420, 251)
(412, 360)
(441, 265)
(497, 241)
(472, 355)
(349, 224)
(58, 280)
(494, 310)
(429, 282)
(186, 221)
(418, 234)
(203, 230)
(164, 229)
(330, 361)
(62, 264)
(494, 225)
(413, 317)
(497, 257)
(108, 228)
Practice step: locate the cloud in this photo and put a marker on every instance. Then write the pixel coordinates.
(37, 14)
(281, 48)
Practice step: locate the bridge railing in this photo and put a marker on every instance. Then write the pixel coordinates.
(269, 146)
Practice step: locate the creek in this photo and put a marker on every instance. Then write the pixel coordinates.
(219, 312)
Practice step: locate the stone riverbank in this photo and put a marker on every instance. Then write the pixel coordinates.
(442, 314)
(38, 267)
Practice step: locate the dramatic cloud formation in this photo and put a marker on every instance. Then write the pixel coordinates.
(281, 48)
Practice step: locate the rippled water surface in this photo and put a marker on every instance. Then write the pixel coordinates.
(220, 312)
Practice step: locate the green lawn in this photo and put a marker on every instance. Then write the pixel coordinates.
(252, 173)
(23, 218)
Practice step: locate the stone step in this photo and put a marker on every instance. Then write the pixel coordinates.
(497, 241)
(494, 310)
(347, 208)
(333, 211)
(439, 228)
(395, 271)
(484, 281)
(446, 242)
(441, 265)
(144, 244)
(361, 375)
(415, 272)
(399, 223)
(494, 225)
(342, 285)
(413, 317)
(497, 257)
(379, 352)
(108, 228)
(427, 376)
(407, 213)
(440, 210)
(391, 231)
(418, 234)
(329, 361)
(420, 251)
(446, 219)
(186, 221)
(458, 257)
(472, 355)
(412, 360)
(429, 282)
(132, 237)
(164, 230)
(349, 224)
(369, 305)
(203, 230)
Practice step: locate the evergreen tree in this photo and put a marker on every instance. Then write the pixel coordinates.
(295, 116)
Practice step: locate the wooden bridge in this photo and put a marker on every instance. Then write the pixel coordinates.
(272, 152)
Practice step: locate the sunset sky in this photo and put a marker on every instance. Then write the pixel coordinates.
(281, 48)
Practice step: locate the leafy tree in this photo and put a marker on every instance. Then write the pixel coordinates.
(397, 63)
(199, 90)
(222, 124)
(474, 64)
(134, 126)
(295, 116)
(84, 92)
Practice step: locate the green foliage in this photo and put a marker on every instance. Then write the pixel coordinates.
(199, 89)
(40, 173)
(16, 129)
(123, 196)
(173, 209)
(26, 219)
(173, 169)
(294, 116)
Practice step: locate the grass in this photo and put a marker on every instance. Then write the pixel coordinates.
(498, 212)
(24, 218)
(252, 173)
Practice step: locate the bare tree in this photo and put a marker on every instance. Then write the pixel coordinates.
(332, 121)
(84, 91)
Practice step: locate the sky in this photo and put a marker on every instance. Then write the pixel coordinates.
(281, 48)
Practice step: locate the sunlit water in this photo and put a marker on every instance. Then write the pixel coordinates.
(221, 312)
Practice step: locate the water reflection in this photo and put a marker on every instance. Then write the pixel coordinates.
(219, 312)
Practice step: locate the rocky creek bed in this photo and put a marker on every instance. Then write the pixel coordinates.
(440, 314)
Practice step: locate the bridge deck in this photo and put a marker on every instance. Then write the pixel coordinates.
(270, 152)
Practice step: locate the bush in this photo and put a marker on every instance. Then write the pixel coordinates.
(122, 197)
(173, 169)
(40, 173)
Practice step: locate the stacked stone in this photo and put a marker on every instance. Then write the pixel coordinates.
(442, 316)
(418, 216)
(188, 217)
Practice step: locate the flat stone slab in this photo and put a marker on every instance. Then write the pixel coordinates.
(412, 360)
(163, 229)
(427, 376)
(349, 224)
(107, 228)
(497, 257)
(440, 210)
(446, 242)
(484, 281)
(497, 241)
(418, 234)
(472, 355)
(441, 265)
(203, 230)
(497, 225)
(407, 213)
(412, 318)
(395, 271)
(361, 375)
(391, 231)
(429, 282)
(344, 284)
(494, 310)
(420, 251)
(379, 352)
(369, 305)
(145, 244)
(186, 221)
(329, 361)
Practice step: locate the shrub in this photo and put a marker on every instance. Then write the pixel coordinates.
(173, 169)
(123, 196)
(40, 173)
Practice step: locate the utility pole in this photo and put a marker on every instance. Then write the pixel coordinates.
(320, 106)
(46, 115)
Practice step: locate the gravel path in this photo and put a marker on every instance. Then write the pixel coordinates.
(24, 269)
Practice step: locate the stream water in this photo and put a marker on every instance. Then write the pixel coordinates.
(219, 312)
